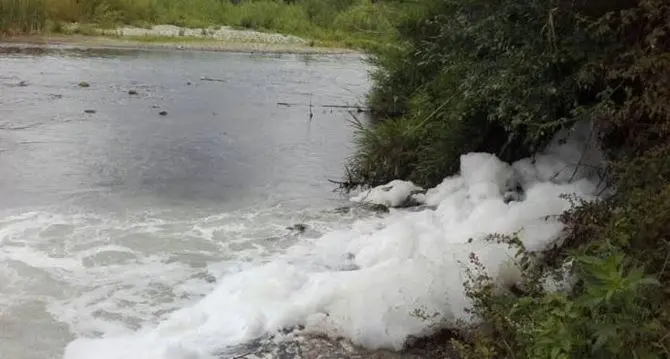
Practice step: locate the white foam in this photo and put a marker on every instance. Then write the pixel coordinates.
(107, 275)
(367, 282)
(393, 194)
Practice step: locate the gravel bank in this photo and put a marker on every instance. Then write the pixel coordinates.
(222, 33)
(169, 37)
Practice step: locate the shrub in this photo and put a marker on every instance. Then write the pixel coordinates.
(524, 70)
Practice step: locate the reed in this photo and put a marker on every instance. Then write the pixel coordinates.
(22, 16)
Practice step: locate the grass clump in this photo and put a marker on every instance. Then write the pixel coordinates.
(268, 15)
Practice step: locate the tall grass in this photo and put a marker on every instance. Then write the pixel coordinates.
(22, 16)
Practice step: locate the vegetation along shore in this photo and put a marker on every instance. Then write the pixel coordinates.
(358, 24)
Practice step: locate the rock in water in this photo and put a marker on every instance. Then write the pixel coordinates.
(299, 227)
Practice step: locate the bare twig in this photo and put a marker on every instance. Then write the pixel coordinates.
(660, 342)
(665, 263)
(581, 157)
(354, 107)
(242, 355)
(206, 78)
(345, 183)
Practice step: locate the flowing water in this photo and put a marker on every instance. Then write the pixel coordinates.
(112, 216)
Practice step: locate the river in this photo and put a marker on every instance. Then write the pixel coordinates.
(113, 215)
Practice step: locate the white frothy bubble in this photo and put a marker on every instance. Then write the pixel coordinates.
(394, 194)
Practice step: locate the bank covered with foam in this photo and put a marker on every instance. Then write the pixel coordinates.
(366, 283)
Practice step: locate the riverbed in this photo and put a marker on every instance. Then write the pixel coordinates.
(132, 181)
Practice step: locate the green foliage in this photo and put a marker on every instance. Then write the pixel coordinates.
(509, 88)
(322, 12)
(105, 12)
(518, 71)
(268, 15)
(365, 17)
(22, 16)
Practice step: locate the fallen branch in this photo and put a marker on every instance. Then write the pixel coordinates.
(211, 79)
(358, 108)
(243, 355)
(349, 184)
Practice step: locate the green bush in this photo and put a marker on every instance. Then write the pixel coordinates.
(478, 71)
(521, 71)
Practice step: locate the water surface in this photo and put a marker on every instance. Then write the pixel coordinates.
(111, 219)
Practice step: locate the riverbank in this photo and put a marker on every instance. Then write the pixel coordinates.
(168, 37)
(359, 24)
